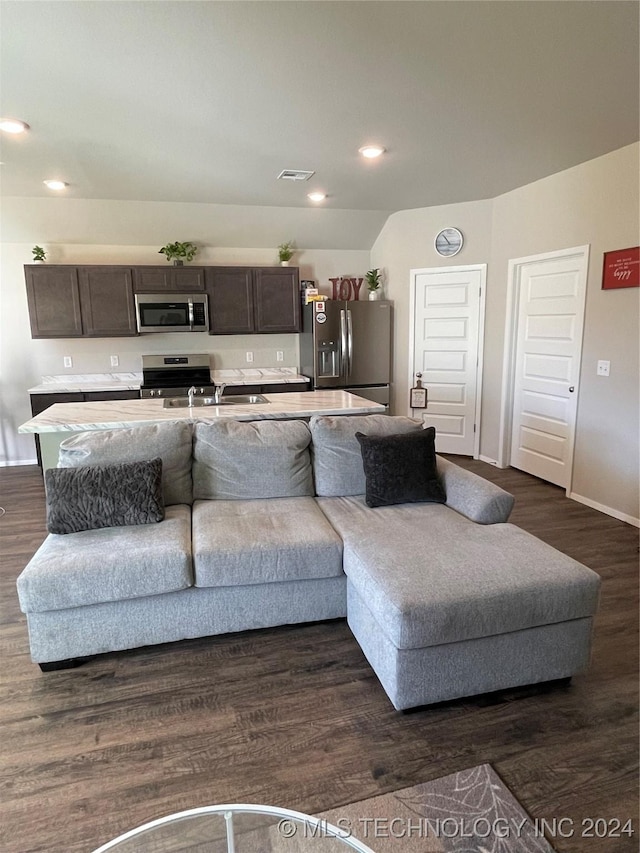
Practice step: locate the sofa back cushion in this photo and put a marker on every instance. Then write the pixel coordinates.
(172, 442)
(337, 459)
(236, 460)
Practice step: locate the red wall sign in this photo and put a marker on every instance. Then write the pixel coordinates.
(621, 268)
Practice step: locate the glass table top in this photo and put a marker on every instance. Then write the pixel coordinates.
(237, 828)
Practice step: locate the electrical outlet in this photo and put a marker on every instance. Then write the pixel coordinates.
(115, 361)
(603, 368)
(279, 355)
(67, 361)
(249, 357)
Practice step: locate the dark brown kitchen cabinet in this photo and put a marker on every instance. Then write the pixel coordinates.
(230, 292)
(269, 388)
(106, 301)
(277, 299)
(244, 300)
(100, 396)
(284, 387)
(241, 389)
(97, 301)
(161, 279)
(54, 301)
(72, 302)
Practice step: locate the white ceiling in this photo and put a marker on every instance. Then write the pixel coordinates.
(209, 101)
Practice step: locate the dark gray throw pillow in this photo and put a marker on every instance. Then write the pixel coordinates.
(93, 496)
(401, 468)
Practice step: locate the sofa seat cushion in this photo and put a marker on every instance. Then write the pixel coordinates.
(250, 542)
(430, 576)
(172, 442)
(109, 564)
(235, 460)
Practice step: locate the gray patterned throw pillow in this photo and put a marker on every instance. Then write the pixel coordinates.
(401, 468)
(95, 496)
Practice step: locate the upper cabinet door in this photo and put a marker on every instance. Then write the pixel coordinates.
(151, 279)
(160, 279)
(187, 279)
(230, 292)
(54, 301)
(106, 300)
(277, 299)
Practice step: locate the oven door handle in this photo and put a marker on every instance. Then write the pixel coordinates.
(191, 320)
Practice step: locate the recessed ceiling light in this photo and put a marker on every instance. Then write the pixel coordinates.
(316, 196)
(13, 125)
(56, 185)
(371, 151)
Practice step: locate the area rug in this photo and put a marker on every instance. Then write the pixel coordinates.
(468, 812)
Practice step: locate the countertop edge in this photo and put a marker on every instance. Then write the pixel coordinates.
(305, 407)
(91, 387)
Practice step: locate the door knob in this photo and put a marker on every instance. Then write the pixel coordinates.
(571, 389)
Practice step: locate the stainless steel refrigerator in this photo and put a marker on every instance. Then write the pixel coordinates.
(347, 345)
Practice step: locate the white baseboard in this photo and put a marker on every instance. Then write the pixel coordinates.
(621, 516)
(489, 461)
(11, 463)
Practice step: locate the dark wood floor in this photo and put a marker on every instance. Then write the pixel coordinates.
(295, 717)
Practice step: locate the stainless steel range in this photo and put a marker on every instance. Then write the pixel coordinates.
(175, 375)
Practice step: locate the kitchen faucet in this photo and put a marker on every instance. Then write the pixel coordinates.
(218, 391)
(190, 394)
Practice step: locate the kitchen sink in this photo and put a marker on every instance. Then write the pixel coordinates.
(200, 402)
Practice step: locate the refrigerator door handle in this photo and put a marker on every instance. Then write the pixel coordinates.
(343, 343)
(349, 342)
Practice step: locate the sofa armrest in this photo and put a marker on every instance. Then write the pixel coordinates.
(473, 496)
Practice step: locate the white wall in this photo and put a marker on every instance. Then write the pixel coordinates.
(596, 203)
(24, 361)
(407, 242)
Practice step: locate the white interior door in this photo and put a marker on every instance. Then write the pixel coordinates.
(447, 350)
(550, 313)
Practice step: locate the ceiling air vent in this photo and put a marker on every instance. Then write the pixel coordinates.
(294, 175)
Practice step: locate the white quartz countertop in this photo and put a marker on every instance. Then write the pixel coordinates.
(116, 414)
(66, 383)
(88, 382)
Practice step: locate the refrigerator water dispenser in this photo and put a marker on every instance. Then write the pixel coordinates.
(328, 364)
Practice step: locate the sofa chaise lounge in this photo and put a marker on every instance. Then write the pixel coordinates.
(266, 524)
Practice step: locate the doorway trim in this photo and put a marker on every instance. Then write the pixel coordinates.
(510, 343)
(482, 269)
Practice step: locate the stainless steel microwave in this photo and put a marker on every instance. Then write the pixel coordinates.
(172, 312)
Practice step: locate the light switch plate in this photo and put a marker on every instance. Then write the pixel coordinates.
(279, 355)
(249, 357)
(115, 361)
(603, 368)
(67, 361)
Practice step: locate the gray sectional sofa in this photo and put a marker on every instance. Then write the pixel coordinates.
(266, 524)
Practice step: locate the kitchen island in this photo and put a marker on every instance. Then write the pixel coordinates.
(60, 420)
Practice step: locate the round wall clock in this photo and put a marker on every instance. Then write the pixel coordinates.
(449, 242)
